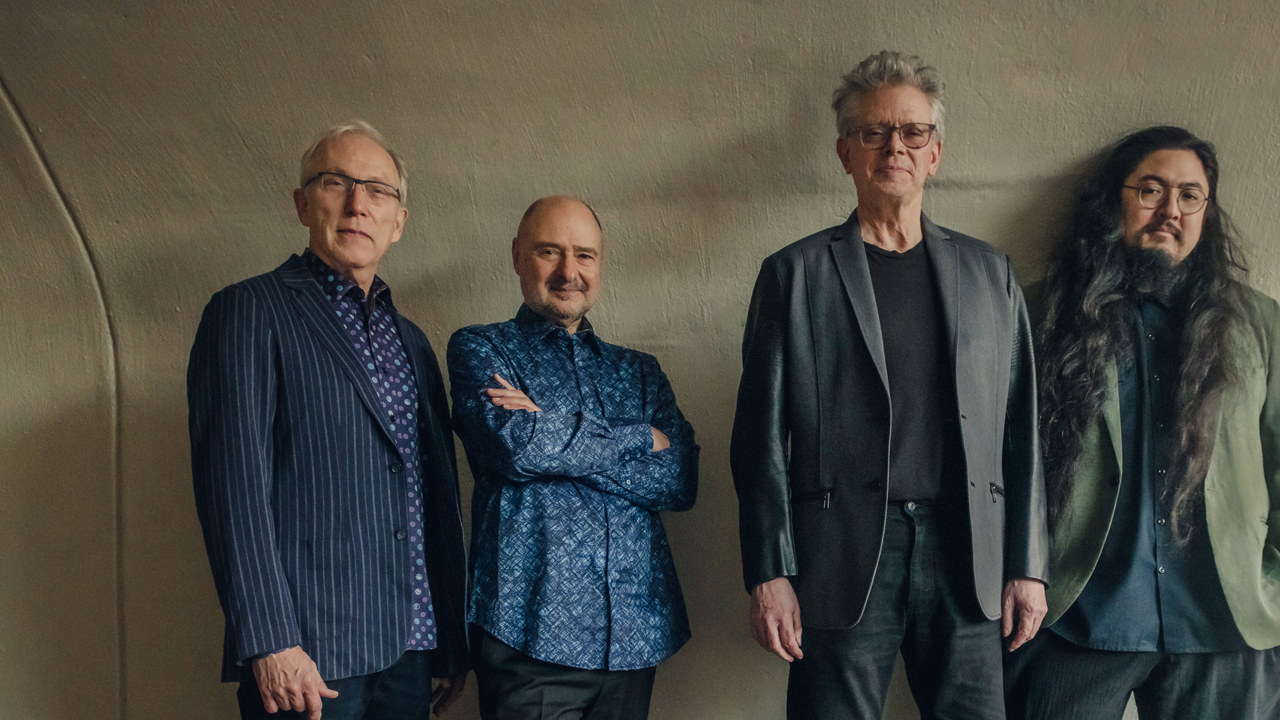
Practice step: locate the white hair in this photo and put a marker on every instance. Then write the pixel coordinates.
(352, 127)
(887, 68)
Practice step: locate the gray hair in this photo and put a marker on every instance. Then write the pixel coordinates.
(352, 127)
(887, 68)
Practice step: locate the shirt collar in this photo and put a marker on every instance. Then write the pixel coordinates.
(337, 285)
(534, 325)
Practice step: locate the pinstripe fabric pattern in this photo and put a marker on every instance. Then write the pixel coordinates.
(299, 489)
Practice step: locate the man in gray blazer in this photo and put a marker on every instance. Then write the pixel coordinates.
(323, 465)
(885, 445)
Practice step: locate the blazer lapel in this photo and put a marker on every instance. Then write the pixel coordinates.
(851, 262)
(310, 303)
(944, 256)
(1111, 411)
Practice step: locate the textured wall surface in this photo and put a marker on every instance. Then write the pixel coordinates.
(147, 151)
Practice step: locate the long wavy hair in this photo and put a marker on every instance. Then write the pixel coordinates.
(1087, 323)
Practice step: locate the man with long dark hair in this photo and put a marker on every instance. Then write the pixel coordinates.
(1160, 418)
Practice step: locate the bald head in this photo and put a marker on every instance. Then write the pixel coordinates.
(558, 253)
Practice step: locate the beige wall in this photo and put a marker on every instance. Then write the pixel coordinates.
(147, 150)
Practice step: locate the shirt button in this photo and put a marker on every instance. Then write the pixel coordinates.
(911, 505)
(1160, 521)
(1160, 569)
(1155, 376)
(395, 467)
(400, 535)
(1160, 472)
(1151, 336)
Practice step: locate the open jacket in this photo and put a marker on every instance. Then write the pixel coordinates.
(810, 450)
(299, 485)
(1241, 488)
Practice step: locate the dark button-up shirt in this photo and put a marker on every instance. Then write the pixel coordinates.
(1149, 593)
(373, 335)
(570, 562)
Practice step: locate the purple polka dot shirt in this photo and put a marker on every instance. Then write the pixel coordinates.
(376, 341)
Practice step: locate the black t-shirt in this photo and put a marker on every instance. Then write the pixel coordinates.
(924, 444)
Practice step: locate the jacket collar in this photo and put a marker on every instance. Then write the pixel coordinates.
(851, 263)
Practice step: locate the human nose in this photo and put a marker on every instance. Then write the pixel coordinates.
(1168, 206)
(567, 268)
(357, 200)
(893, 144)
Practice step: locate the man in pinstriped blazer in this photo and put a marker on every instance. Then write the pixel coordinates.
(323, 465)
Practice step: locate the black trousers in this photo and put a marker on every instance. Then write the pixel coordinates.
(514, 686)
(1051, 678)
(921, 604)
(400, 692)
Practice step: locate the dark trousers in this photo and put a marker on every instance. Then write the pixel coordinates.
(514, 686)
(1051, 678)
(921, 604)
(402, 691)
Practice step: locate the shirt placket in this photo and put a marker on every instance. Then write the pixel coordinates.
(586, 374)
(1155, 456)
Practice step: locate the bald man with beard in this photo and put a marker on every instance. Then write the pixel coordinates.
(576, 446)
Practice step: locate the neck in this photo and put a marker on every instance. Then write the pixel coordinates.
(893, 224)
(362, 276)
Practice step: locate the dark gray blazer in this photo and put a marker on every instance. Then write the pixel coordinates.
(810, 450)
(299, 485)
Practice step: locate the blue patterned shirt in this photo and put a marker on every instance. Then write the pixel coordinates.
(373, 335)
(570, 563)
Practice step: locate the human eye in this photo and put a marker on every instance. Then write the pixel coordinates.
(915, 132)
(874, 133)
(1193, 195)
(380, 192)
(330, 181)
(1151, 192)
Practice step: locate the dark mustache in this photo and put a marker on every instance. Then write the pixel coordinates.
(1164, 227)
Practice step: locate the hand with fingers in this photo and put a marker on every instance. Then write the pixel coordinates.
(1022, 606)
(775, 618)
(288, 680)
(508, 397)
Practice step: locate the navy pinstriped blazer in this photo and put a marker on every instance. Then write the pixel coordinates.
(298, 489)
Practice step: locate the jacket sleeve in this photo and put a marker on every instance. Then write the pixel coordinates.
(1026, 523)
(520, 446)
(231, 388)
(758, 451)
(657, 481)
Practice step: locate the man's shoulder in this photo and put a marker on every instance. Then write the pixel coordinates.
(490, 331)
(807, 245)
(267, 284)
(1262, 310)
(467, 340)
(624, 354)
(970, 243)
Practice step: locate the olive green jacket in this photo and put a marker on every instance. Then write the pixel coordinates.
(1241, 490)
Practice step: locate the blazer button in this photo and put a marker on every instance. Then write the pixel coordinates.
(396, 467)
(877, 485)
(400, 534)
